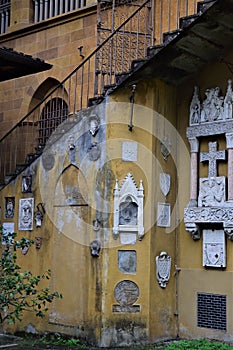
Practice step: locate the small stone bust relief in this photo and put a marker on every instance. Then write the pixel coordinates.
(128, 212)
(38, 218)
(38, 242)
(71, 143)
(27, 184)
(95, 248)
(9, 207)
(94, 123)
(39, 214)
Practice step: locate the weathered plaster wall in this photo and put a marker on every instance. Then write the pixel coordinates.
(153, 118)
(64, 179)
(77, 189)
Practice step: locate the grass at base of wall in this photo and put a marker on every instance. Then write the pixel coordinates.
(60, 342)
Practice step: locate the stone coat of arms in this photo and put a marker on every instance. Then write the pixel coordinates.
(163, 268)
(165, 183)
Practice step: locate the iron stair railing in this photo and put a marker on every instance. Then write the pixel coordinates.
(88, 82)
(26, 140)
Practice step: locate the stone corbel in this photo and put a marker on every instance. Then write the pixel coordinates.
(194, 230)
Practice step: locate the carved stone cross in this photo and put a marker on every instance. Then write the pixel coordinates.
(212, 156)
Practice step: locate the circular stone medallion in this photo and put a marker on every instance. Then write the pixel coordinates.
(126, 293)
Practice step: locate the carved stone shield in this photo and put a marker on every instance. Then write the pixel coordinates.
(163, 267)
(165, 183)
(214, 254)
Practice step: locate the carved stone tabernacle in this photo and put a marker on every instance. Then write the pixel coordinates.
(128, 209)
(211, 203)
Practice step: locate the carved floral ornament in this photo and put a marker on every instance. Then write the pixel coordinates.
(128, 207)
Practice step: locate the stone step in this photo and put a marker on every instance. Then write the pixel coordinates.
(187, 20)
(153, 50)
(169, 36)
(121, 77)
(202, 6)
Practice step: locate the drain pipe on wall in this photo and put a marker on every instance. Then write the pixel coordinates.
(131, 99)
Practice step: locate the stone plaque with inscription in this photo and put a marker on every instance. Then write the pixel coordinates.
(164, 215)
(129, 151)
(128, 238)
(127, 261)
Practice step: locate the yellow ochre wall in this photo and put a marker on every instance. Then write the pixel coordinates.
(153, 119)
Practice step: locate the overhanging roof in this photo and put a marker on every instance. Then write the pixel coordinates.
(202, 39)
(16, 64)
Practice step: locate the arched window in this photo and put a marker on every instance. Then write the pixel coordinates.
(54, 113)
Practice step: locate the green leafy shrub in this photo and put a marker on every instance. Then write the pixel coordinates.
(19, 290)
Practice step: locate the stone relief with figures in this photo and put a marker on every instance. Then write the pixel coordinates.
(211, 198)
(213, 108)
(26, 210)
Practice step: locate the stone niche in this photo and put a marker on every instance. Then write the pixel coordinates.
(211, 198)
(128, 211)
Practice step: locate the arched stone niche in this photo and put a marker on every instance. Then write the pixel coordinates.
(71, 209)
(128, 210)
